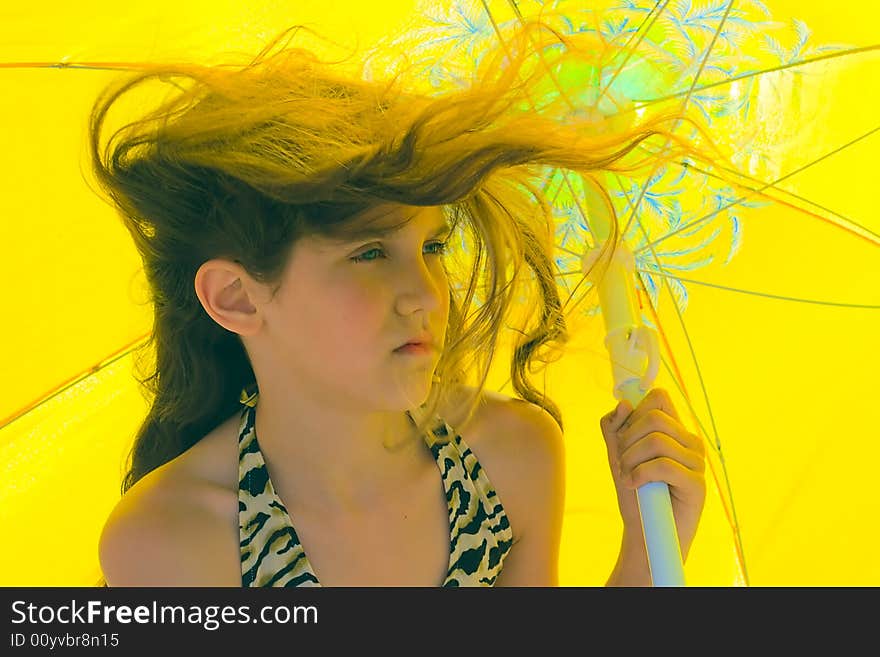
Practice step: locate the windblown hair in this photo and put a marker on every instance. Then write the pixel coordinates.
(240, 162)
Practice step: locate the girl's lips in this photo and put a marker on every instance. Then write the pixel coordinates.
(414, 349)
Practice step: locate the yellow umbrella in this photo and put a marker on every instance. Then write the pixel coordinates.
(71, 405)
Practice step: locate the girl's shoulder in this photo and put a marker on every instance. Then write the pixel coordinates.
(521, 449)
(506, 429)
(177, 526)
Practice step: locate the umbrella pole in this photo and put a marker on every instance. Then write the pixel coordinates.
(633, 349)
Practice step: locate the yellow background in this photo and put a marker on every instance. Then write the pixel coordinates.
(792, 387)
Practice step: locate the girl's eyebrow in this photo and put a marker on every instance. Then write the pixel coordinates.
(439, 229)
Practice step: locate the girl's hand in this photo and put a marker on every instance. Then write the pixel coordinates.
(650, 444)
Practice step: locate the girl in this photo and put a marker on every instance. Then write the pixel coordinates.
(331, 262)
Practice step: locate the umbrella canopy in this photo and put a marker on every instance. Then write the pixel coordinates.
(761, 285)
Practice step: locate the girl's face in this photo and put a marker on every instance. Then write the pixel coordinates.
(345, 307)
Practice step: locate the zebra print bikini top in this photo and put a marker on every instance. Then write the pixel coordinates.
(271, 553)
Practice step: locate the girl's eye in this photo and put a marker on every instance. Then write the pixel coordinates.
(367, 257)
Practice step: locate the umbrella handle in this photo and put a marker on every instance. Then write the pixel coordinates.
(661, 539)
(633, 349)
(655, 504)
(658, 522)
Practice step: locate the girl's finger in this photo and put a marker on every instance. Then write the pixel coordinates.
(666, 470)
(611, 421)
(658, 421)
(657, 445)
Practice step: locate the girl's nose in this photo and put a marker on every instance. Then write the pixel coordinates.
(423, 285)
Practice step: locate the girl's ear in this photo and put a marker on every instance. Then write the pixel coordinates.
(225, 293)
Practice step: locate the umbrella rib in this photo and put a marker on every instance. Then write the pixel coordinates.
(76, 379)
(641, 37)
(640, 104)
(852, 223)
(570, 252)
(112, 66)
(732, 519)
(779, 297)
(756, 191)
(136, 66)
